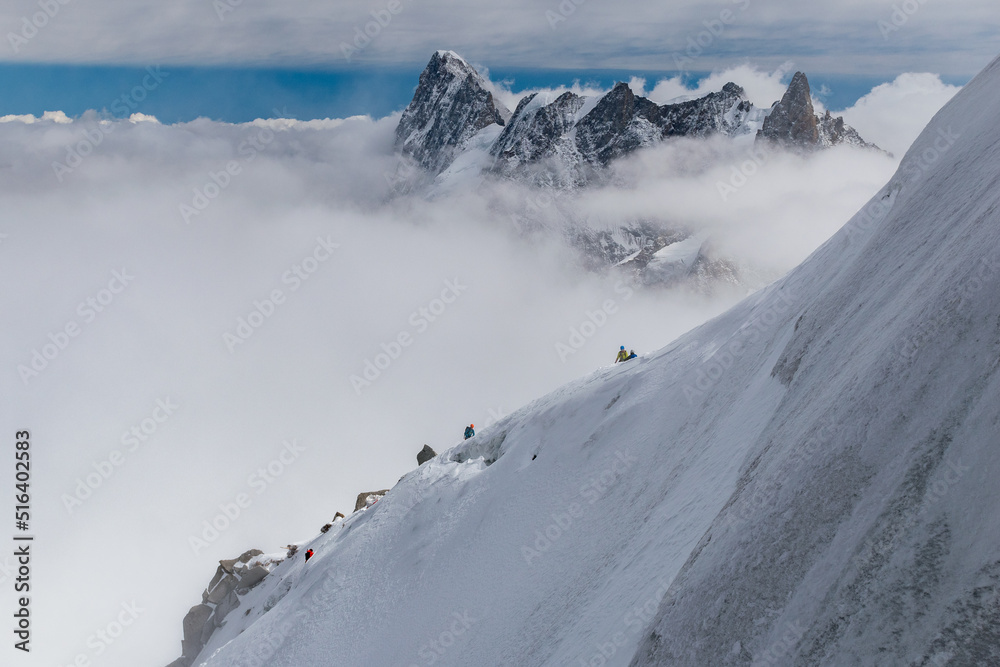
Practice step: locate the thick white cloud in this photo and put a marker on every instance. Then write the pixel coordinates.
(762, 87)
(893, 114)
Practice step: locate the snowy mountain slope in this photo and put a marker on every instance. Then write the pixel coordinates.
(807, 475)
(865, 516)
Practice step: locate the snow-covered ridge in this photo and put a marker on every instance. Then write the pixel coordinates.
(806, 479)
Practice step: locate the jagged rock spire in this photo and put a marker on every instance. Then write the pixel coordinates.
(793, 123)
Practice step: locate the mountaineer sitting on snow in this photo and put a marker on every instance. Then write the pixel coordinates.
(470, 431)
(625, 356)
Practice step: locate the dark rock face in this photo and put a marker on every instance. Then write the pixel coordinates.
(535, 132)
(450, 105)
(557, 144)
(364, 497)
(834, 131)
(552, 145)
(793, 124)
(425, 455)
(724, 112)
(618, 125)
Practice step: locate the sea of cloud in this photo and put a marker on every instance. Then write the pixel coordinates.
(184, 300)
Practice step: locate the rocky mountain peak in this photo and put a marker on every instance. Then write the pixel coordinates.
(733, 89)
(619, 124)
(537, 130)
(793, 122)
(451, 104)
(568, 140)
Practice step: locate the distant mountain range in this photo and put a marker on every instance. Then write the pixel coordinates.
(459, 134)
(569, 140)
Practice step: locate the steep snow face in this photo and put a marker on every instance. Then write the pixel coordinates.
(450, 106)
(807, 479)
(864, 528)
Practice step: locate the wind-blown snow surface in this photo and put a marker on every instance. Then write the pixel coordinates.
(807, 476)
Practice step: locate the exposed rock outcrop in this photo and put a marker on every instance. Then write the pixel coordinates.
(619, 124)
(567, 141)
(233, 577)
(537, 131)
(425, 455)
(369, 498)
(794, 125)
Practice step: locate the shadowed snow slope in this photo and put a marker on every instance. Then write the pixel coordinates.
(807, 479)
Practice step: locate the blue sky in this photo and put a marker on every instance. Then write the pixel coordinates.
(240, 59)
(242, 94)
